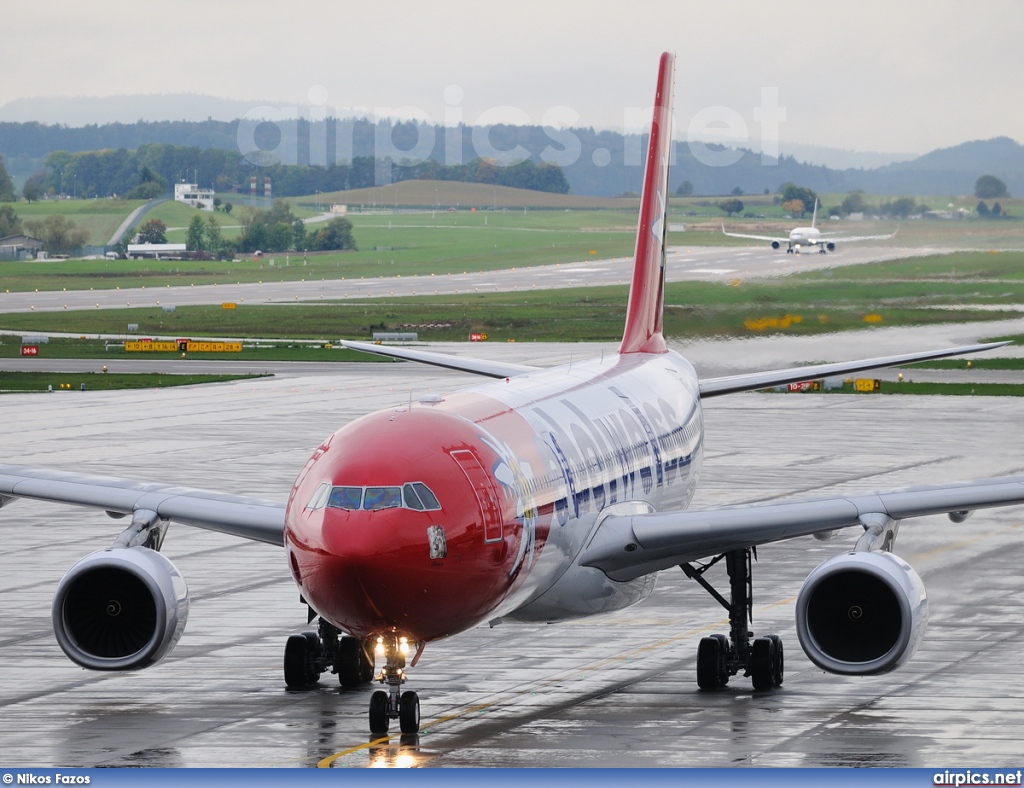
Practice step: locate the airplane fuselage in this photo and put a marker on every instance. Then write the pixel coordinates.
(516, 473)
(804, 236)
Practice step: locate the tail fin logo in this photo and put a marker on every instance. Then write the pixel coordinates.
(658, 228)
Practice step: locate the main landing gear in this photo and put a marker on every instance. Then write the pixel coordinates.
(719, 657)
(308, 655)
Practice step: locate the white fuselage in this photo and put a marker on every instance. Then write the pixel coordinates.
(804, 236)
(623, 431)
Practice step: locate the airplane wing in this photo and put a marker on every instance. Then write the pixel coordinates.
(625, 547)
(492, 369)
(756, 237)
(251, 518)
(713, 387)
(848, 239)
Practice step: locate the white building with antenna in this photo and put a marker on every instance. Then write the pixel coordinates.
(191, 194)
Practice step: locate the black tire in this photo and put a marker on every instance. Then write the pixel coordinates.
(723, 657)
(366, 665)
(296, 659)
(778, 664)
(379, 721)
(708, 659)
(351, 664)
(762, 658)
(312, 652)
(409, 712)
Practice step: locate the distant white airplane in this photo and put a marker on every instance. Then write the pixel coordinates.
(809, 236)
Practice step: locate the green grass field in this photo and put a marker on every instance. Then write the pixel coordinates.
(976, 363)
(100, 217)
(70, 383)
(398, 245)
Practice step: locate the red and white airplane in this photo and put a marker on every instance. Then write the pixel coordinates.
(810, 236)
(542, 495)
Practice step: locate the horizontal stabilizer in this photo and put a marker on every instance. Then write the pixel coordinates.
(713, 387)
(491, 369)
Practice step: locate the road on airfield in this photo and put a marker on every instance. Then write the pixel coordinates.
(693, 263)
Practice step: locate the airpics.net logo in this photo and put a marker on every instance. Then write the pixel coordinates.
(269, 135)
(967, 777)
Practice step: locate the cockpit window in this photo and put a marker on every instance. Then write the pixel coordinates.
(345, 497)
(319, 499)
(428, 498)
(412, 495)
(412, 500)
(382, 498)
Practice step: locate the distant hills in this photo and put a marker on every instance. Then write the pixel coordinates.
(99, 111)
(598, 163)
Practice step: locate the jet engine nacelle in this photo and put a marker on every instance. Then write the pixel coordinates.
(120, 609)
(776, 244)
(861, 613)
(830, 246)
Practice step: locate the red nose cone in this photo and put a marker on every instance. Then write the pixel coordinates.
(395, 524)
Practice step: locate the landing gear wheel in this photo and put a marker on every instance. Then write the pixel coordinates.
(312, 652)
(709, 660)
(409, 712)
(379, 712)
(299, 654)
(352, 666)
(723, 659)
(762, 663)
(777, 663)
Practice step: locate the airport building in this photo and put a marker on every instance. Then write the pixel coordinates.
(191, 194)
(156, 251)
(19, 247)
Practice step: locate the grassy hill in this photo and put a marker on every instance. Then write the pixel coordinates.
(100, 217)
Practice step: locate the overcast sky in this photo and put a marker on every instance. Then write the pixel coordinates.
(878, 75)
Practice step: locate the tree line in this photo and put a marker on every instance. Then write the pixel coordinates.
(275, 229)
(605, 163)
(148, 171)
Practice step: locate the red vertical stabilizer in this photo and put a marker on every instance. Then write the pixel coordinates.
(646, 293)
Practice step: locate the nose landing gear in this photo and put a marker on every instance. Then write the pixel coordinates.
(393, 703)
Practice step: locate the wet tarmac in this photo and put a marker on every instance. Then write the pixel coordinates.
(614, 690)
